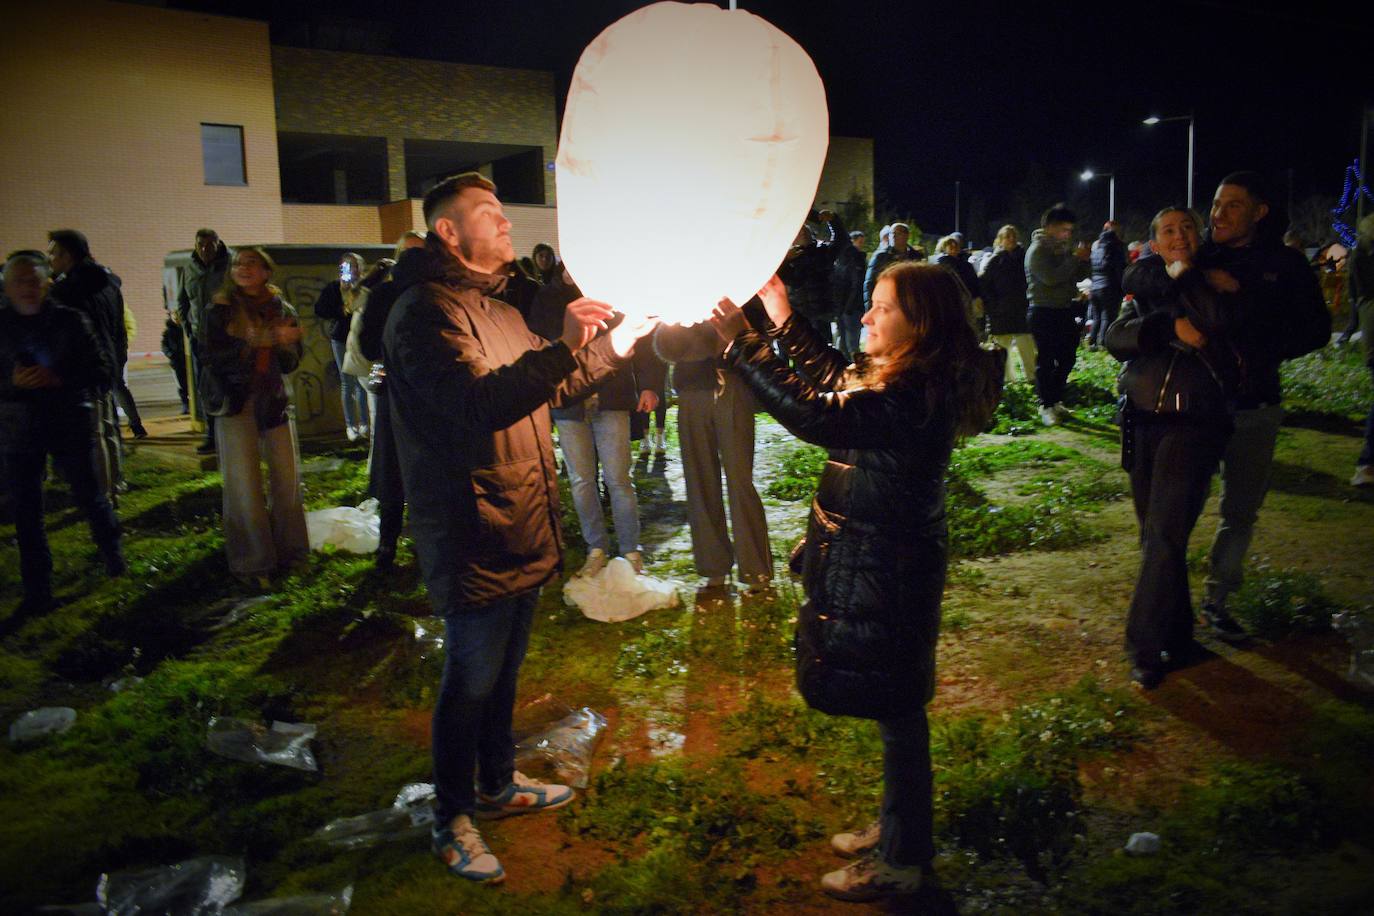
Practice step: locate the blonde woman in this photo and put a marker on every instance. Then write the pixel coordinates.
(252, 341)
(1004, 300)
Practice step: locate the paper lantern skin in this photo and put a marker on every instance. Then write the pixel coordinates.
(692, 146)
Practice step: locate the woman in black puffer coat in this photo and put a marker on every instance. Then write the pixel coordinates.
(873, 562)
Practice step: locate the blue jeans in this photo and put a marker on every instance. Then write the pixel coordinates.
(484, 647)
(352, 390)
(1245, 470)
(604, 438)
(908, 810)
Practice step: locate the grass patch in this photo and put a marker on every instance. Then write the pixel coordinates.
(1330, 382)
(1273, 603)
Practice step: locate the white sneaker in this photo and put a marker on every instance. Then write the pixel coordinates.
(596, 561)
(636, 560)
(1364, 476)
(522, 795)
(870, 878)
(1048, 416)
(353, 434)
(852, 845)
(461, 847)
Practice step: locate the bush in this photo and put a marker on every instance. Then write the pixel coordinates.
(1274, 603)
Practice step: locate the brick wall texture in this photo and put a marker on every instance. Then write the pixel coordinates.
(100, 132)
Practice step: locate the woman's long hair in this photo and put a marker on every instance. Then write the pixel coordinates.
(229, 290)
(943, 355)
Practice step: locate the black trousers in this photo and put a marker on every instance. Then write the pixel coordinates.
(69, 438)
(1172, 470)
(1056, 348)
(384, 477)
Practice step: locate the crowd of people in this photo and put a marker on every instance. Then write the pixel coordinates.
(458, 361)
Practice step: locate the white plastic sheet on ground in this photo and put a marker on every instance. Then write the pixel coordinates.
(284, 743)
(410, 815)
(616, 593)
(40, 723)
(356, 529)
(197, 886)
(304, 905)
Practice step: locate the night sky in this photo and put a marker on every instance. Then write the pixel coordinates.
(1011, 100)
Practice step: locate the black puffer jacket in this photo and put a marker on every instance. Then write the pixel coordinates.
(1285, 314)
(94, 292)
(873, 564)
(1108, 264)
(1164, 378)
(468, 386)
(1004, 291)
(235, 370)
(62, 340)
(410, 268)
(847, 281)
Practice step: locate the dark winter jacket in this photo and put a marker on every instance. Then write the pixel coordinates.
(1004, 291)
(468, 386)
(807, 273)
(330, 307)
(962, 269)
(1052, 272)
(1285, 314)
(847, 281)
(618, 391)
(233, 369)
(199, 284)
(63, 340)
(873, 576)
(1164, 378)
(410, 268)
(94, 292)
(1108, 264)
(881, 259)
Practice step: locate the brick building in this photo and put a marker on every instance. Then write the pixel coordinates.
(138, 125)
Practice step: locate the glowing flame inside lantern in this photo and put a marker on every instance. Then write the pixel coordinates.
(692, 144)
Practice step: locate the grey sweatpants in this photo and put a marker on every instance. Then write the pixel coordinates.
(717, 432)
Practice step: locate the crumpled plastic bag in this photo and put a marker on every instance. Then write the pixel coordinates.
(197, 886)
(410, 815)
(557, 742)
(1358, 629)
(40, 723)
(1143, 844)
(284, 743)
(355, 529)
(617, 593)
(304, 905)
(429, 633)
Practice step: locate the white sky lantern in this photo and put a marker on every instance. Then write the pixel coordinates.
(692, 145)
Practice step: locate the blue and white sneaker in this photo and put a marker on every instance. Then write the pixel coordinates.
(462, 849)
(522, 796)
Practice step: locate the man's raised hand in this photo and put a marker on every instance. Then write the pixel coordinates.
(624, 335)
(582, 320)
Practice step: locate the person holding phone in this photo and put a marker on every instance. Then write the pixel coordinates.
(336, 303)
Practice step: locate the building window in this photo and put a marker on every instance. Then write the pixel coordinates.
(221, 148)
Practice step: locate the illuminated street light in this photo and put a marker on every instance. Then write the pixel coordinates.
(1089, 175)
(1152, 120)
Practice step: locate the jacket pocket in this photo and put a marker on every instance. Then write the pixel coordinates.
(512, 507)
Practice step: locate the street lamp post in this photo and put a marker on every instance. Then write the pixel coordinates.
(1089, 175)
(1155, 119)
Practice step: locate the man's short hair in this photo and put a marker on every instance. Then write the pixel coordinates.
(1059, 213)
(206, 234)
(1176, 208)
(438, 197)
(72, 242)
(37, 259)
(1253, 183)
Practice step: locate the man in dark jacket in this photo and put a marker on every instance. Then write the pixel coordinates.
(896, 250)
(469, 386)
(808, 266)
(1053, 269)
(1285, 317)
(200, 280)
(1108, 266)
(52, 369)
(84, 285)
(847, 282)
(949, 254)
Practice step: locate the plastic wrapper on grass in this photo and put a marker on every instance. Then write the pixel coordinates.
(617, 593)
(558, 742)
(304, 905)
(1358, 629)
(197, 886)
(284, 743)
(40, 723)
(410, 815)
(355, 529)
